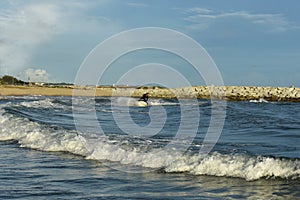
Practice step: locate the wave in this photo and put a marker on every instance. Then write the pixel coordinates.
(142, 152)
(83, 102)
(47, 103)
(240, 166)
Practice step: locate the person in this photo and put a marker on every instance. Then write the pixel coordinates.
(145, 97)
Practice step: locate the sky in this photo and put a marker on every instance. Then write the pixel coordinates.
(252, 42)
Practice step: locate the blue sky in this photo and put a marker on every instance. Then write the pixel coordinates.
(252, 42)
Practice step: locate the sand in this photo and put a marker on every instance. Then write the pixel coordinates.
(53, 91)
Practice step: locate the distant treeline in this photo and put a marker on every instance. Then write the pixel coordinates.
(10, 80)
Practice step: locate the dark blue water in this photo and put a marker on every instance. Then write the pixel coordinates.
(113, 151)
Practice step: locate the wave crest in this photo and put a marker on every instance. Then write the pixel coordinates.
(239, 166)
(121, 149)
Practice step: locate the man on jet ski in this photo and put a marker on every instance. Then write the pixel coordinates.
(145, 97)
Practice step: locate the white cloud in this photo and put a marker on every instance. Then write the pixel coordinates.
(200, 10)
(202, 18)
(49, 33)
(37, 75)
(23, 28)
(137, 4)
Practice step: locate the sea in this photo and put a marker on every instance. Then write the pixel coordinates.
(107, 148)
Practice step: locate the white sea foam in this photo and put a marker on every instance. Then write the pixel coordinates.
(127, 101)
(240, 166)
(34, 135)
(47, 103)
(261, 100)
(160, 102)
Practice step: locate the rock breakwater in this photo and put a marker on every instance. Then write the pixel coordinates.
(233, 93)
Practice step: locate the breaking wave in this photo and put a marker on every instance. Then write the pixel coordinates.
(137, 151)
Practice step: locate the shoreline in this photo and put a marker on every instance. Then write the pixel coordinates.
(230, 93)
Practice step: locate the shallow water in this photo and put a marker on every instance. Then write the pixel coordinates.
(44, 156)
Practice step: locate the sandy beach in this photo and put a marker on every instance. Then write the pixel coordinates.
(234, 93)
(53, 91)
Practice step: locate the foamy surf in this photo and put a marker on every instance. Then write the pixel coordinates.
(260, 100)
(142, 152)
(127, 101)
(239, 166)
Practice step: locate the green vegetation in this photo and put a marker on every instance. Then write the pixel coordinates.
(10, 80)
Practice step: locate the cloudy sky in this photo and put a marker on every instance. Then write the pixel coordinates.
(252, 42)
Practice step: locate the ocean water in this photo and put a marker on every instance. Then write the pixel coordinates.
(84, 148)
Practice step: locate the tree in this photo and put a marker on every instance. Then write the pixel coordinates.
(10, 80)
